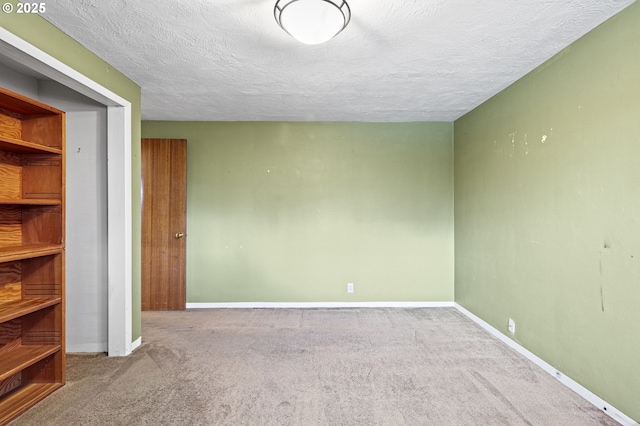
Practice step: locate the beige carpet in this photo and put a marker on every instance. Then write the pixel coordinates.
(312, 367)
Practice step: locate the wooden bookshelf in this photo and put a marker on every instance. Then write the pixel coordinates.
(21, 357)
(20, 307)
(30, 202)
(28, 251)
(27, 395)
(32, 238)
(17, 145)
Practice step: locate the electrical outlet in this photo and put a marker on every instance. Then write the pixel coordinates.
(512, 326)
(349, 287)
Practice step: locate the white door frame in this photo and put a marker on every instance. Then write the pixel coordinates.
(118, 180)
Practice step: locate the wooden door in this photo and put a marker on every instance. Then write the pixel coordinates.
(164, 223)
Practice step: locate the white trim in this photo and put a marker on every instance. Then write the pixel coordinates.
(308, 305)
(119, 243)
(87, 348)
(119, 178)
(135, 345)
(600, 403)
(34, 58)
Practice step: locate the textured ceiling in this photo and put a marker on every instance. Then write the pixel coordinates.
(411, 60)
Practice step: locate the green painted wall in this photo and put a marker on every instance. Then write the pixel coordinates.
(291, 212)
(40, 33)
(547, 205)
(547, 195)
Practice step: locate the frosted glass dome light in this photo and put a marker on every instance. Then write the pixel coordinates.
(312, 21)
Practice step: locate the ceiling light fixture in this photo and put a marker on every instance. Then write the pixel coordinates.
(312, 21)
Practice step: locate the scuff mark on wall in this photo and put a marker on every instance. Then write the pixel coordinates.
(601, 285)
(513, 143)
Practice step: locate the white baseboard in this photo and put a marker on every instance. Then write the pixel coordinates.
(306, 305)
(87, 348)
(136, 344)
(603, 405)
